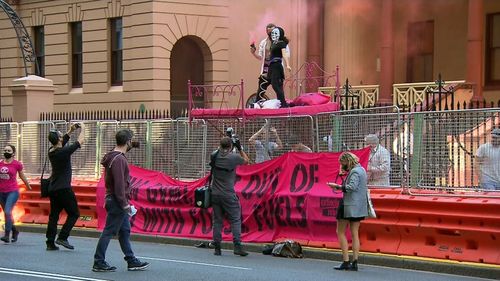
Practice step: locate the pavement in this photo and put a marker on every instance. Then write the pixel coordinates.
(489, 271)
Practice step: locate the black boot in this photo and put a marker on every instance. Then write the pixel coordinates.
(6, 237)
(343, 266)
(217, 250)
(354, 266)
(15, 234)
(238, 250)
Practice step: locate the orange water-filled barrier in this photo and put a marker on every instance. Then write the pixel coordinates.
(462, 229)
(36, 209)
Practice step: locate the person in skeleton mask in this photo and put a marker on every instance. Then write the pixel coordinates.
(279, 54)
(9, 190)
(263, 53)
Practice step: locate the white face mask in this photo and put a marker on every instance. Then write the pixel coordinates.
(275, 35)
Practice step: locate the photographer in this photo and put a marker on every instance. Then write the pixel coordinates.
(224, 199)
(61, 194)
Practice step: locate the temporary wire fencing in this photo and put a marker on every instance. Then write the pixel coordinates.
(429, 150)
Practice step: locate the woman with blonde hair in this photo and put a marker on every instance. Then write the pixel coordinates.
(352, 208)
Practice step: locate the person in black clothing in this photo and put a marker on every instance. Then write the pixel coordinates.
(276, 73)
(61, 194)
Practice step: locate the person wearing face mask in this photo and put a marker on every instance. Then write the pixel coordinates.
(264, 55)
(118, 208)
(379, 164)
(9, 190)
(352, 208)
(488, 156)
(61, 194)
(276, 73)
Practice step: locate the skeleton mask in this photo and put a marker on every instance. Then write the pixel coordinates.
(275, 34)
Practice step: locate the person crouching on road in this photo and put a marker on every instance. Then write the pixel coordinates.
(352, 208)
(224, 199)
(118, 208)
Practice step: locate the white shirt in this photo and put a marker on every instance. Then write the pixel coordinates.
(490, 162)
(379, 166)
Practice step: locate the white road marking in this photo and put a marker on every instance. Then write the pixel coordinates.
(196, 263)
(46, 275)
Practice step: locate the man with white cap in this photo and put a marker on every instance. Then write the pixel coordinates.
(379, 164)
(488, 156)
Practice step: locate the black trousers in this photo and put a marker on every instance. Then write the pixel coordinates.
(277, 76)
(261, 90)
(63, 199)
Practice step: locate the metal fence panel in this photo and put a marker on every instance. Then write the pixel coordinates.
(34, 146)
(190, 146)
(162, 146)
(444, 145)
(346, 130)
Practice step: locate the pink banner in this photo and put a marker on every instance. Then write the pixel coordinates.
(282, 198)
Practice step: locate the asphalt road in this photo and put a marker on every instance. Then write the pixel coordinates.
(28, 260)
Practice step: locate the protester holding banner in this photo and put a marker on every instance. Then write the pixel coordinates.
(9, 190)
(61, 194)
(119, 210)
(224, 199)
(264, 147)
(352, 208)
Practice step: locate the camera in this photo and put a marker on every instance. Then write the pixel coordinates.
(77, 125)
(234, 138)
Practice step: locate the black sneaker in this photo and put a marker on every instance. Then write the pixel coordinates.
(52, 246)
(103, 267)
(65, 244)
(5, 238)
(136, 264)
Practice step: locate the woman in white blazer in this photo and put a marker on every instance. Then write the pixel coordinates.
(352, 208)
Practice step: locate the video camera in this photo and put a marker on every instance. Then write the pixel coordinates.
(234, 138)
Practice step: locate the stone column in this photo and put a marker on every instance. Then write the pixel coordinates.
(475, 43)
(386, 54)
(31, 96)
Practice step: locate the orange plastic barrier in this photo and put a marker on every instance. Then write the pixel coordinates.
(36, 209)
(464, 229)
(382, 235)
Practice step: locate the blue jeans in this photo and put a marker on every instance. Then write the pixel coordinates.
(8, 201)
(117, 222)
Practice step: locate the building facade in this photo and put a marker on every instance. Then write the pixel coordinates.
(139, 54)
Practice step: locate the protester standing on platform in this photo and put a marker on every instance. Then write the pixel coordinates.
(118, 208)
(264, 54)
(297, 145)
(264, 147)
(61, 194)
(352, 208)
(279, 55)
(224, 198)
(379, 164)
(488, 156)
(9, 190)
